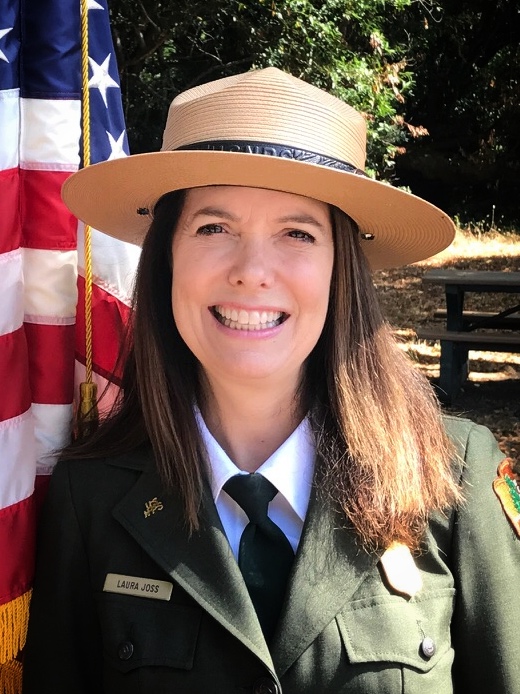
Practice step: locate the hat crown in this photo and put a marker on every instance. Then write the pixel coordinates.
(268, 106)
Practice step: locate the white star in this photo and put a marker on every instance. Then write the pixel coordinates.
(100, 78)
(3, 32)
(116, 146)
(92, 5)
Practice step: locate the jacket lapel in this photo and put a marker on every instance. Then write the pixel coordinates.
(201, 563)
(328, 569)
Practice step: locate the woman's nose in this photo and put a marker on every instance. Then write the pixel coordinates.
(252, 265)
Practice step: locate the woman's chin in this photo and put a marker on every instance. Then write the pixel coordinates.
(247, 372)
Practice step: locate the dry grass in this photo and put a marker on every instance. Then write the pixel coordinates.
(492, 393)
(473, 244)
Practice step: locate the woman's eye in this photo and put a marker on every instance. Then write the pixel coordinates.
(303, 235)
(210, 229)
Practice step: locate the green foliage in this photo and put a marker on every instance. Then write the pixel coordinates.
(465, 58)
(437, 80)
(344, 46)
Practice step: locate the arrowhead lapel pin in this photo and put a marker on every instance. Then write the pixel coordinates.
(507, 487)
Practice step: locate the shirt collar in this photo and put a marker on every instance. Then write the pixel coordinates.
(290, 468)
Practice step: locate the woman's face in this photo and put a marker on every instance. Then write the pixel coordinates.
(251, 279)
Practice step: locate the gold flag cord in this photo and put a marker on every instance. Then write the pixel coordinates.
(87, 415)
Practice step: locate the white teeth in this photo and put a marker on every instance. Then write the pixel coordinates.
(247, 320)
(243, 317)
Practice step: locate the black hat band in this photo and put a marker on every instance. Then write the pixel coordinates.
(273, 150)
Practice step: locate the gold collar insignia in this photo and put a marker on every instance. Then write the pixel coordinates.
(152, 506)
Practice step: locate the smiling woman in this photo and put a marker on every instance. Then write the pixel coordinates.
(241, 255)
(275, 470)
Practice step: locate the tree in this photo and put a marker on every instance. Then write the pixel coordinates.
(465, 56)
(343, 46)
(437, 80)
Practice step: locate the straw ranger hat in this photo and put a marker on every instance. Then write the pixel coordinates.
(263, 129)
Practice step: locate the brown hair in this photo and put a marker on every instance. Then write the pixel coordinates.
(386, 459)
(382, 451)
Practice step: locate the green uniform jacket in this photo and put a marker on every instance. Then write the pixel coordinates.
(343, 630)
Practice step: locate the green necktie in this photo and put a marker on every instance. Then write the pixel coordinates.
(265, 555)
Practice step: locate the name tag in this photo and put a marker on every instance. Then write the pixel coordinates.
(142, 587)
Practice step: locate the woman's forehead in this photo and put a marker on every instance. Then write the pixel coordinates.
(232, 200)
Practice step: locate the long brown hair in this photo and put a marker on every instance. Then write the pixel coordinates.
(386, 459)
(383, 456)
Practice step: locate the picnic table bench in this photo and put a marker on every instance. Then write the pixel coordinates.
(471, 330)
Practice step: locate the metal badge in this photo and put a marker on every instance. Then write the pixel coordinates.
(400, 570)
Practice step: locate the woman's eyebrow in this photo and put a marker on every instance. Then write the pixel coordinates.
(293, 218)
(300, 218)
(213, 212)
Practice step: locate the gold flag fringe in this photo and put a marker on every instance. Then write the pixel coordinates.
(11, 677)
(14, 616)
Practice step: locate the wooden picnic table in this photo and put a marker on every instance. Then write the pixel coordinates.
(471, 330)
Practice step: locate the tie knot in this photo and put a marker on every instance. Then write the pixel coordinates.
(252, 493)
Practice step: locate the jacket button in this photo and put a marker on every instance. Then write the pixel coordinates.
(265, 685)
(125, 650)
(428, 647)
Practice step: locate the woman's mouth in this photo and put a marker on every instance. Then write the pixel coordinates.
(240, 319)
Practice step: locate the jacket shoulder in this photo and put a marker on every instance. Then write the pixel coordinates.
(472, 442)
(103, 479)
(139, 459)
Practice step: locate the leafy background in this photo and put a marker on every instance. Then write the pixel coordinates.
(438, 82)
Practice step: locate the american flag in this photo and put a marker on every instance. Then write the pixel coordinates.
(42, 266)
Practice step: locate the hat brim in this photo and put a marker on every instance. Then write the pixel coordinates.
(107, 196)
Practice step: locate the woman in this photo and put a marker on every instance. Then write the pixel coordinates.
(376, 557)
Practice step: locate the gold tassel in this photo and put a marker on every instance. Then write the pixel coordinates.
(14, 616)
(11, 677)
(87, 415)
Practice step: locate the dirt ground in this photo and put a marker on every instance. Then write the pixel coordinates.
(491, 396)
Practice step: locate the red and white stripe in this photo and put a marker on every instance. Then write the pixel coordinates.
(38, 295)
(41, 348)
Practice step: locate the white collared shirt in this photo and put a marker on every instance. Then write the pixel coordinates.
(290, 468)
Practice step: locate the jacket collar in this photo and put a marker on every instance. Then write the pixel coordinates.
(140, 458)
(328, 569)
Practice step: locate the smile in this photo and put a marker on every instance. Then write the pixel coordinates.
(240, 319)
